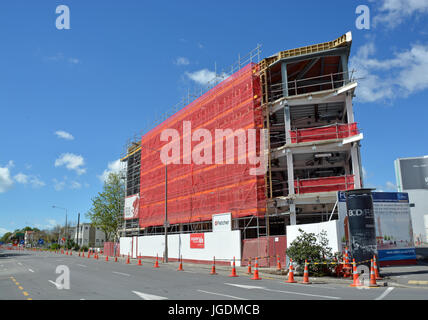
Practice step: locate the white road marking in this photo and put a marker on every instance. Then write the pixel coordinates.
(56, 284)
(244, 286)
(385, 293)
(82, 265)
(124, 274)
(221, 294)
(30, 270)
(290, 292)
(20, 263)
(146, 296)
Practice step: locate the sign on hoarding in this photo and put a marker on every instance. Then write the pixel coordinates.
(197, 241)
(394, 232)
(414, 173)
(131, 207)
(222, 222)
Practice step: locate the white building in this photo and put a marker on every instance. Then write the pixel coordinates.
(87, 235)
(412, 177)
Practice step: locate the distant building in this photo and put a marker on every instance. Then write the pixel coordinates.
(412, 177)
(89, 236)
(28, 238)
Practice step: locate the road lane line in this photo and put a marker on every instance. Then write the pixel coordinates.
(20, 263)
(221, 294)
(385, 293)
(82, 265)
(25, 293)
(146, 296)
(30, 270)
(124, 274)
(290, 292)
(20, 288)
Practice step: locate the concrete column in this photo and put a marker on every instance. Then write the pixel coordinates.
(356, 165)
(349, 108)
(287, 121)
(290, 171)
(293, 220)
(284, 77)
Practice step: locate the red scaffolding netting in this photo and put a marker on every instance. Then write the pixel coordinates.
(197, 190)
(334, 131)
(326, 184)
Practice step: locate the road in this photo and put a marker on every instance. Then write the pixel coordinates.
(31, 275)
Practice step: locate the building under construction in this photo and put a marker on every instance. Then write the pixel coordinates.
(303, 99)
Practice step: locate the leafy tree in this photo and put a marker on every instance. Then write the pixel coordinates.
(5, 237)
(313, 248)
(107, 207)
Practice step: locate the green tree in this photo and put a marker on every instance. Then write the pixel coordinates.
(5, 237)
(311, 247)
(107, 207)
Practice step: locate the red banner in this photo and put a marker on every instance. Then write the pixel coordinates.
(197, 241)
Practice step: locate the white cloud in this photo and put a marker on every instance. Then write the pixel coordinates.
(206, 76)
(58, 185)
(181, 61)
(114, 166)
(64, 135)
(75, 185)
(394, 12)
(71, 162)
(21, 178)
(29, 179)
(203, 76)
(6, 181)
(400, 76)
(390, 186)
(73, 61)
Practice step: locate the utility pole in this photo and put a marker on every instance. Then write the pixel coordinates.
(78, 226)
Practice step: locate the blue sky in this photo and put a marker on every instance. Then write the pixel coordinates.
(69, 99)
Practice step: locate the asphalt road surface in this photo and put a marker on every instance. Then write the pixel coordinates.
(32, 275)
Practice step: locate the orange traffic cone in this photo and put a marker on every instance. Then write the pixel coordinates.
(346, 266)
(278, 263)
(213, 268)
(372, 276)
(306, 273)
(107, 258)
(139, 262)
(71, 252)
(356, 279)
(376, 269)
(115, 259)
(291, 273)
(66, 253)
(79, 253)
(83, 254)
(127, 260)
(256, 271)
(249, 266)
(180, 266)
(233, 274)
(156, 262)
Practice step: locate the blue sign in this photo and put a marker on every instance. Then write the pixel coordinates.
(21, 242)
(397, 254)
(41, 241)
